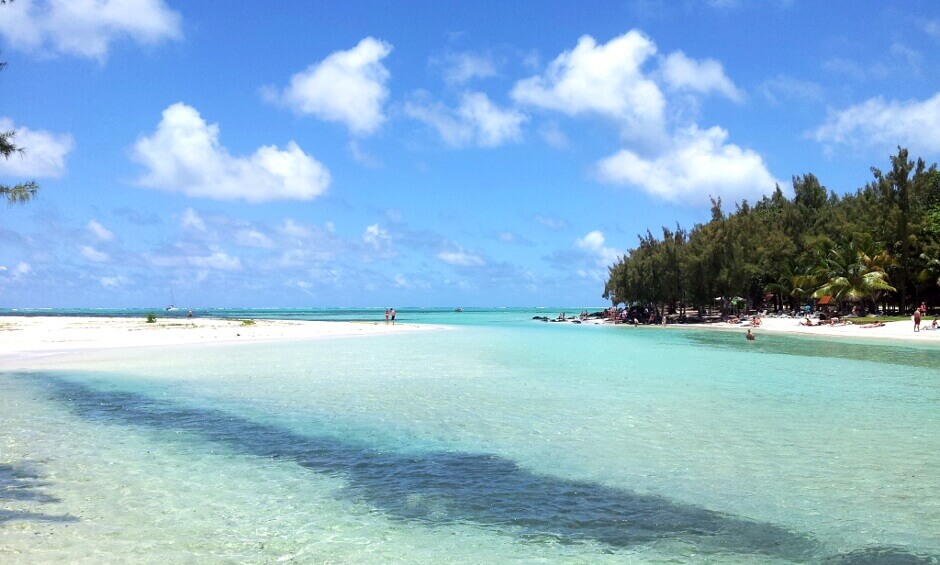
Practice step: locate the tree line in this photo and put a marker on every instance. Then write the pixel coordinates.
(878, 247)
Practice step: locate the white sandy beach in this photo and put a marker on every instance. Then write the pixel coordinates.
(42, 336)
(902, 330)
(33, 337)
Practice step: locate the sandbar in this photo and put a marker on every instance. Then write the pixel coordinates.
(23, 337)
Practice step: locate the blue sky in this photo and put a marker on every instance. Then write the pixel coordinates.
(424, 153)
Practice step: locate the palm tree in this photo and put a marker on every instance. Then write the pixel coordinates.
(854, 270)
(792, 283)
(931, 270)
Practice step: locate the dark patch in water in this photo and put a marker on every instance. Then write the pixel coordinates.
(23, 483)
(453, 487)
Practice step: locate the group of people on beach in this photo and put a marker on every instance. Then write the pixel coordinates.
(922, 311)
(390, 315)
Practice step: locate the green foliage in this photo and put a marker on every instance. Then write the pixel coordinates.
(23, 192)
(879, 243)
(248, 322)
(151, 318)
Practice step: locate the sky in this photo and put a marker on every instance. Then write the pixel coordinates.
(351, 154)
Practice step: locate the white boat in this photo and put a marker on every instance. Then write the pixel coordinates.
(171, 307)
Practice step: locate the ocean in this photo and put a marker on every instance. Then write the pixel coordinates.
(499, 439)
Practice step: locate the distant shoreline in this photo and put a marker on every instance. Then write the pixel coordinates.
(899, 331)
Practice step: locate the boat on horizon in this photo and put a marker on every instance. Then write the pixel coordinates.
(172, 306)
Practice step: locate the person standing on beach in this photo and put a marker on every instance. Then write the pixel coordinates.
(387, 314)
(917, 319)
(392, 313)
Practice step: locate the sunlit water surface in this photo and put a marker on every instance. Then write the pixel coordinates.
(501, 439)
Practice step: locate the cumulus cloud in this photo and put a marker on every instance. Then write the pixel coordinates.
(683, 73)
(43, 152)
(346, 87)
(463, 67)
(593, 244)
(203, 259)
(477, 121)
(603, 79)
(216, 259)
(253, 238)
(92, 254)
(191, 220)
(592, 254)
(100, 232)
(113, 282)
(885, 124)
(19, 271)
(461, 258)
(86, 28)
(376, 237)
(700, 164)
(184, 155)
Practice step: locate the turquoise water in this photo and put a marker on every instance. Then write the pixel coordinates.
(501, 439)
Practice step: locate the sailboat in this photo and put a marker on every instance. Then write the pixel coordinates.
(172, 307)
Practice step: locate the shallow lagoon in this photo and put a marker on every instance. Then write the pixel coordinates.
(501, 439)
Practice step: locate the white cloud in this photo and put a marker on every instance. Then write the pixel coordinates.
(43, 152)
(347, 87)
(184, 155)
(86, 27)
(552, 223)
(461, 258)
(467, 66)
(932, 27)
(593, 244)
(553, 135)
(113, 282)
(885, 125)
(401, 282)
(603, 79)
(253, 238)
(217, 259)
(211, 258)
(376, 237)
(477, 121)
(100, 232)
(701, 164)
(705, 76)
(783, 88)
(361, 156)
(292, 229)
(92, 254)
(20, 270)
(191, 220)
